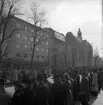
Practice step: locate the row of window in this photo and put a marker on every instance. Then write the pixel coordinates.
(59, 46)
(24, 36)
(26, 55)
(31, 38)
(37, 48)
(42, 49)
(18, 45)
(27, 28)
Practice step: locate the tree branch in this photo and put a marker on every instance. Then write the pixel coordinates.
(10, 34)
(4, 52)
(41, 39)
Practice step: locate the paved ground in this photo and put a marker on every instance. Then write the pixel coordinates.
(92, 100)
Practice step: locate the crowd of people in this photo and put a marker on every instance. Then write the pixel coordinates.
(34, 88)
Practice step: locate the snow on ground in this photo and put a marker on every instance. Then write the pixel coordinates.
(10, 90)
(99, 100)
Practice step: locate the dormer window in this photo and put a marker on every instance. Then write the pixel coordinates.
(17, 25)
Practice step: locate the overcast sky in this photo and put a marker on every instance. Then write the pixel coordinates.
(69, 15)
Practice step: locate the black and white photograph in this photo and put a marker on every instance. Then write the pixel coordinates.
(51, 52)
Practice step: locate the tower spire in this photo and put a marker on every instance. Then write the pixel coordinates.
(79, 34)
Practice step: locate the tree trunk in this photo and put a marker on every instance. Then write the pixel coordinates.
(32, 58)
(33, 50)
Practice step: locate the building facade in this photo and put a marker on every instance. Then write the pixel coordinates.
(20, 44)
(80, 52)
(57, 51)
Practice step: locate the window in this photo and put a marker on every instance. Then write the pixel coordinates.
(25, 46)
(25, 37)
(18, 45)
(31, 39)
(25, 55)
(31, 30)
(47, 50)
(47, 36)
(42, 42)
(17, 25)
(38, 33)
(26, 28)
(37, 40)
(37, 56)
(41, 33)
(57, 46)
(18, 35)
(47, 43)
(17, 54)
(43, 57)
(42, 49)
(37, 48)
(54, 45)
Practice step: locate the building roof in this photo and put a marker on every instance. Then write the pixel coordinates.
(59, 36)
(83, 45)
(32, 25)
(56, 34)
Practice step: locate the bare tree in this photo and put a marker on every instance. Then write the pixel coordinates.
(96, 57)
(38, 18)
(8, 9)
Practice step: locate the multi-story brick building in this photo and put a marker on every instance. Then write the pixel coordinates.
(21, 43)
(58, 51)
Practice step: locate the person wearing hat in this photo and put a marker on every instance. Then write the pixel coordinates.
(26, 96)
(42, 91)
(95, 85)
(84, 89)
(58, 92)
(69, 95)
(4, 97)
(18, 89)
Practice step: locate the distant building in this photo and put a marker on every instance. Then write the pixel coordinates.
(57, 49)
(80, 52)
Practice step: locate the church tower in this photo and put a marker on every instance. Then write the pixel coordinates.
(79, 34)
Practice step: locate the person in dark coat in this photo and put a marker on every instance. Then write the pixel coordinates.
(100, 79)
(84, 90)
(27, 96)
(4, 97)
(68, 84)
(16, 96)
(41, 92)
(77, 86)
(58, 92)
